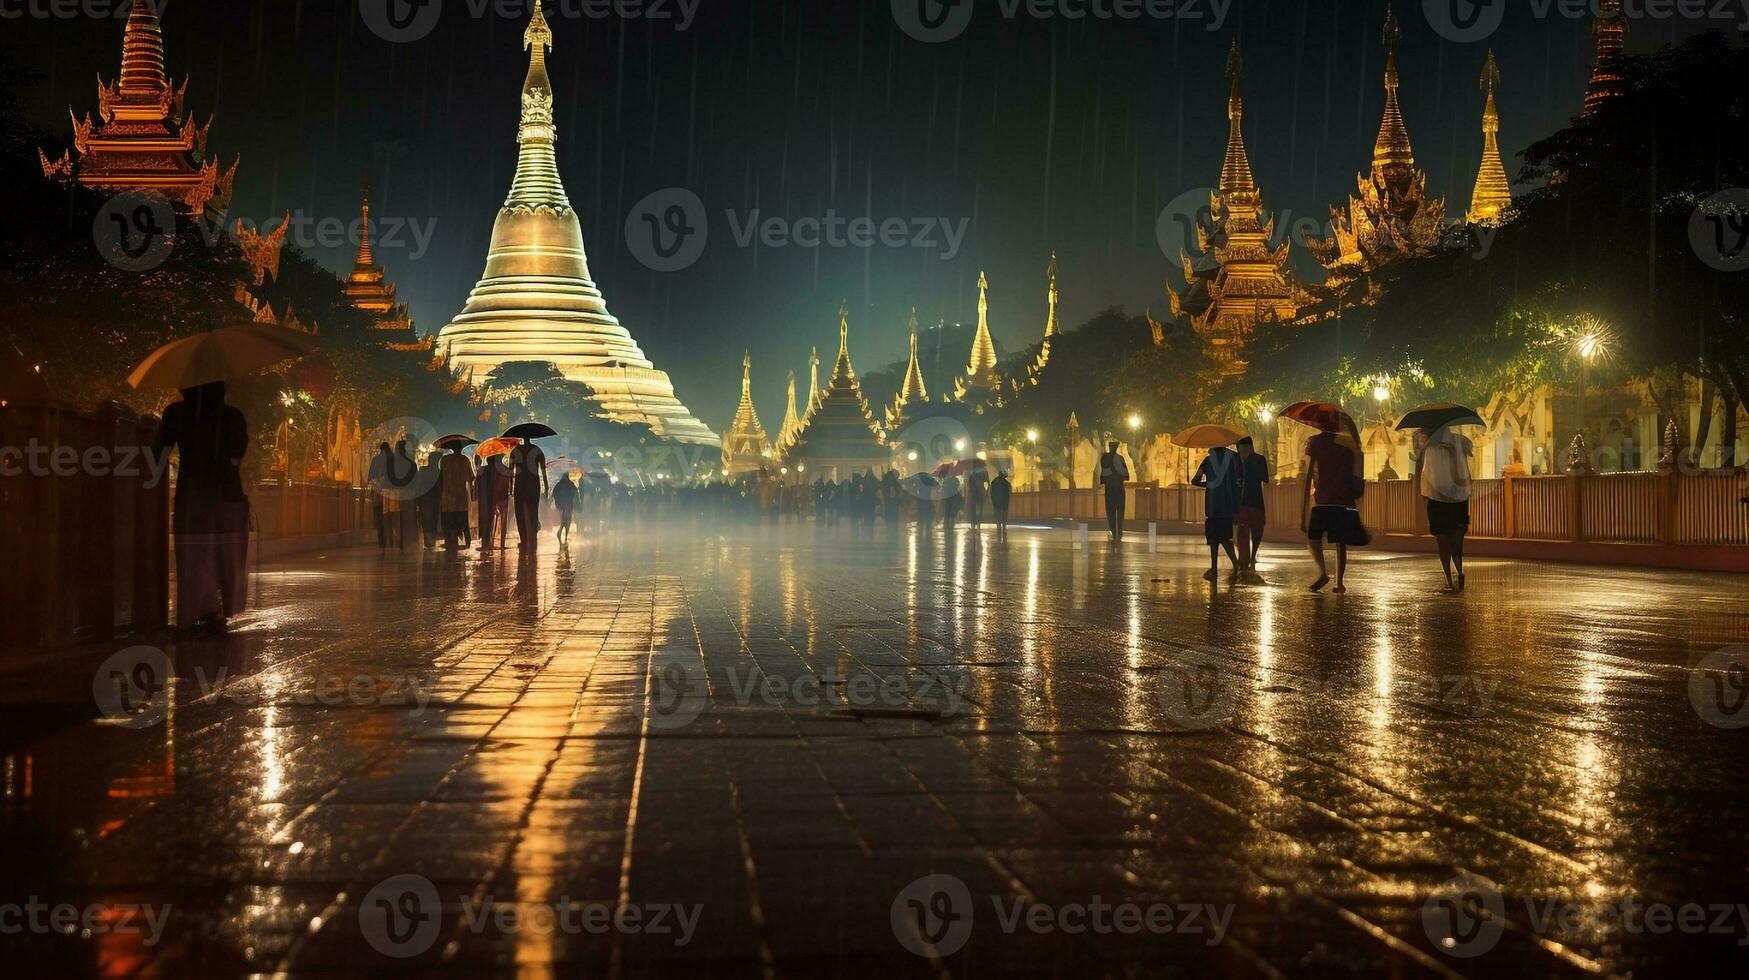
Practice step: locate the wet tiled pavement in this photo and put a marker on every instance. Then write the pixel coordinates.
(743, 752)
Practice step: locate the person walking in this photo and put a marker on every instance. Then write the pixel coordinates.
(484, 493)
(211, 517)
(378, 480)
(1332, 486)
(430, 504)
(528, 486)
(951, 502)
(1001, 489)
(1219, 477)
(977, 489)
(1112, 474)
(1252, 518)
(925, 488)
(890, 498)
(455, 486)
(1445, 482)
(565, 499)
(501, 500)
(403, 493)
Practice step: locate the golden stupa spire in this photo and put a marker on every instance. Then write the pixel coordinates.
(1493, 192)
(366, 257)
(1236, 179)
(537, 182)
(1051, 328)
(1607, 78)
(746, 447)
(813, 378)
(1392, 150)
(792, 422)
(842, 371)
(914, 389)
(747, 376)
(981, 370)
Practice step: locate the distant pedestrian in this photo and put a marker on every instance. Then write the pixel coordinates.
(924, 488)
(1445, 482)
(1332, 484)
(403, 493)
(430, 504)
(455, 486)
(565, 499)
(211, 517)
(951, 502)
(1252, 519)
(378, 480)
(1001, 489)
(891, 497)
(1112, 474)
(977, 489)
(1219, 477)
(483, 500)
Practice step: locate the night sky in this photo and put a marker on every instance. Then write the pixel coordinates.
(1042, 134)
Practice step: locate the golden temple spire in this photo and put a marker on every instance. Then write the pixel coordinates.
(1493, 192)
(537, 182)
(914, 389)
(813, 378)
(1608, 80)
(842, 371)
(746, 448)
(366, 257)
(792, 422)
(746, 376)
(1236, 179)
(1392, 150)
(981, 370)
(1051, 328)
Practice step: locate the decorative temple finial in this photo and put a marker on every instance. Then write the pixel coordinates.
(913, 389)
(1493, 192)
(366, 257)
(1392, 149)
(746, 373)
(538, 32)
(1236, 179)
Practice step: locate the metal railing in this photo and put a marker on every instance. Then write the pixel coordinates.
(1624, 508)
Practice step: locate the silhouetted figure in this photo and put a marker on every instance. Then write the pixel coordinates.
(455, 487)
(378, 480)
(891, 497)
(1219, 477)
(977, 488)
(211, 521)
(1112, 474)
(431, 498)
(1253, 518)
(1001, 489)
(484, 480)
(501, 500)
(528, 475)
(565, 499)
(951, 502)
(924, 489)
(1445, 482)
(403, 492)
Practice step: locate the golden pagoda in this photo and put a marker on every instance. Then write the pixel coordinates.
(1608, 76)
(1493, 193)
(913, 391)
(367, 288)
(813, 382)
(1237, 280)
(839, 438)
(1393, 217)
(792, 422)
(1051, 328)
(537, 300)
(146, 141)
(746, 448)
(980, 378)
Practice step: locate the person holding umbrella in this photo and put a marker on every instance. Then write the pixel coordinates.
(528, 480)
(1332, 484)
(211, 520)
(1219, 477)
(1445, 481)
(456, 486)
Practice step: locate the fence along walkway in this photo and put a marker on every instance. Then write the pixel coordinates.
(1616, 508)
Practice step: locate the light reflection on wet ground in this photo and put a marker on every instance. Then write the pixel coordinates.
(836, 716)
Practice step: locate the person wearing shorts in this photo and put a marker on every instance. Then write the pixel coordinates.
(1219, 477)
(1331, 485)
(1252, 519)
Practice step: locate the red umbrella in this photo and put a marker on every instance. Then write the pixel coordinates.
(1322, 416)
(496, 447)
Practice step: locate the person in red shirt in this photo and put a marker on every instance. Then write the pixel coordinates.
(1332, 484)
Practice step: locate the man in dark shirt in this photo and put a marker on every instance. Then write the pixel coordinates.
(1000, 490)
(1331, 482)
(1112, 474)
(1252, 519)
(1219, 476)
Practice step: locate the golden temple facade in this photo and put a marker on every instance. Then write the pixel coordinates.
(839, 439)
(1237, 280)
(367, 288)
(537, 300)
(1392, 218)
(146, 140)
(746, 448)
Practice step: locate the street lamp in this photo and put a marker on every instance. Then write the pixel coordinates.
(1591, 341)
